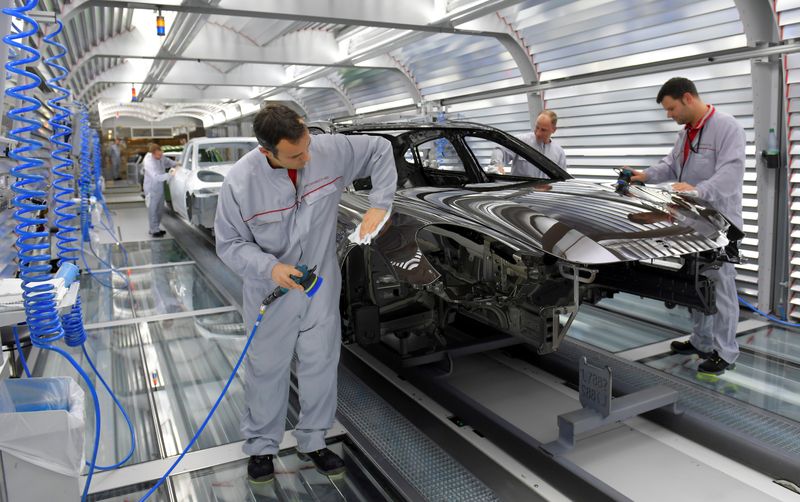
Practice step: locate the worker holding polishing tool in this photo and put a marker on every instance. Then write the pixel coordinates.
(278, 209)
(707, 161)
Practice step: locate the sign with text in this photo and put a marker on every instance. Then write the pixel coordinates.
(595, 387)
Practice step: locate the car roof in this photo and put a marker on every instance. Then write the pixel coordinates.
(238, 139)
(414, 126)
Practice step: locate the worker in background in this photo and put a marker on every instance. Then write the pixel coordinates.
(707, 161)
(155, 174)
(114, 158)
(277, 209)
(540, 140)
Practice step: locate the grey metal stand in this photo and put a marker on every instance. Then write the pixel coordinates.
(599, 408)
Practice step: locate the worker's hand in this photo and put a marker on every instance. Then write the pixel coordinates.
(281, 274)
(683, 187)
(637, 175)
(172, 171)
(372, 218)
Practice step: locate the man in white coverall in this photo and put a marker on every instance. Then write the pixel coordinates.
(708, 158)
(278, 209)
(115, 157)
(154, 177)
(540, 140)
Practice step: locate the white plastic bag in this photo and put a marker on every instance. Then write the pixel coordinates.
(52, 439)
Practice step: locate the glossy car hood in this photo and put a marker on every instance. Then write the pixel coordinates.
(577, 221)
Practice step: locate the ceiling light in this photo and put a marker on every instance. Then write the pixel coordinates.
(160, 27)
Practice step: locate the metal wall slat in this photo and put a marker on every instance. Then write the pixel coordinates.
(789, 23)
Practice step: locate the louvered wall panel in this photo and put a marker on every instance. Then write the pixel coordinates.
(446, 65)
(370, 86)
(509, 113)
(574, 38)
(322, 104)
(789, 25)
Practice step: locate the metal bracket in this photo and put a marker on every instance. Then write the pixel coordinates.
(600, 409)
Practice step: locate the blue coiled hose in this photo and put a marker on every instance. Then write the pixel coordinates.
(86, 185)
(74, 332)
(33, 243)
(62, 176)
(32, 235)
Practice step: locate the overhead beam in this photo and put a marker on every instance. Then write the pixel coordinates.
(419, 15)
(217, 48)
(193, 73)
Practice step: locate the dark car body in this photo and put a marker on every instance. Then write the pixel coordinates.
(519, 254)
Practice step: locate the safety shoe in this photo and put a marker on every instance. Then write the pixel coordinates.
(687, 348)
(326, 462)
(260, 469)
(160, 233)
(715, 365)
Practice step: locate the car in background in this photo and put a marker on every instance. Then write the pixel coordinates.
(517, 254)
(203, 166)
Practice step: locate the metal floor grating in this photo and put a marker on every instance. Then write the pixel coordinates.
(774, 432)
(434, 473)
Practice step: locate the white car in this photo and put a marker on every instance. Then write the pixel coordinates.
(198, 177)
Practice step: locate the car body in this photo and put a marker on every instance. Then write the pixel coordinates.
(174, 155)
(517, 254)
(205, 162)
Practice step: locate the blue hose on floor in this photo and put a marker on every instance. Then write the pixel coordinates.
(766, 315)
(311, 284)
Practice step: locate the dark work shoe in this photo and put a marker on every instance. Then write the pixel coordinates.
(160, 233)
(715, 365)
(326, 462)
(260, 469)
(687, 348)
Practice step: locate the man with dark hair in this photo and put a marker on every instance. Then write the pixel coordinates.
(707, 161)
(278, 208)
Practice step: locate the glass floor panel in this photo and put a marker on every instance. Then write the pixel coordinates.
(774, 341)
(764, 383)
(131, 493)
(116, 355)
(189, 360)
(649, 310)
(137, 253)
(604, 330)
(294, 481)
(99, 303)
(167, 290)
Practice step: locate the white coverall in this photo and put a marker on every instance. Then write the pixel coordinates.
(520, 166)
(715, 167)
(262, 219)
(154, 178)
(114, 155)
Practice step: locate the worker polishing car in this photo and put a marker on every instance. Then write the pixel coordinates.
(154, 166)
(278, 208)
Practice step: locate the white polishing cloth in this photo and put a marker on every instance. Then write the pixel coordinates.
(354, 237)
